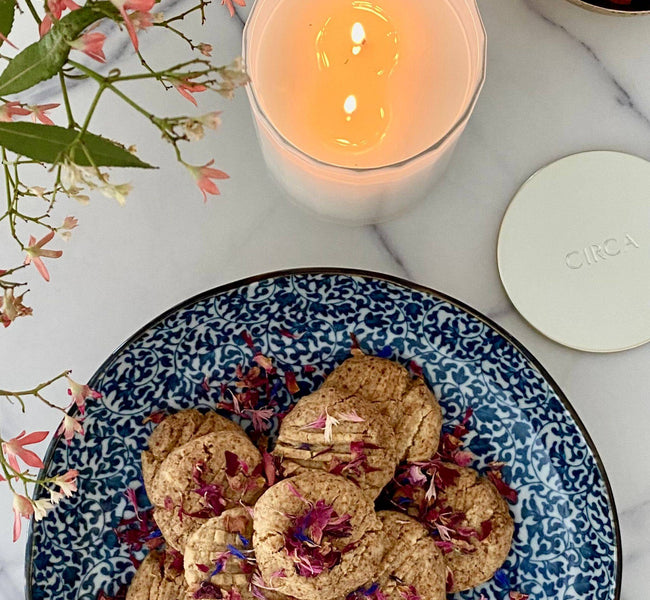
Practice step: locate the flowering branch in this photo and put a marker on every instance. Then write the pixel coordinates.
(75, 163)
(74, 160)
(14, 450)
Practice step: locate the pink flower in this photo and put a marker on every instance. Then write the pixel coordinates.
(261, 418)
(69, 223)
(326, 422)
(204, 176)
(231, 8)
(69, 427)
(91, 44)
(143, 6)
(67, 482)
(80, 393)
(15, 449)
(186, 88)
(35, 251)
(23, 507)
(39, 110)
(11, 109)
(12, 307)
(54, 11)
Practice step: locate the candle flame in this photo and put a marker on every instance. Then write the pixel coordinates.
(358, 34)
(350, 104)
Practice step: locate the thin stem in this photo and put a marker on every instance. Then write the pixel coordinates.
(36, 390)
(102, 81)
(66, 100)
(201, 6)
(179, 33)
(33, 11)
(166, 73)
(48, 403)
(10, 202)
(91, 111)
(10, 271)
(8, 475)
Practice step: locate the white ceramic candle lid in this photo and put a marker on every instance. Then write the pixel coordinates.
(574, 251)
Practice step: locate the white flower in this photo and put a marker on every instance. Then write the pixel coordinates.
(119, 192)
(41, 507)
(212, 120)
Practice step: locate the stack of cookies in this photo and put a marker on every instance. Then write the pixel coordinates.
(316, 533)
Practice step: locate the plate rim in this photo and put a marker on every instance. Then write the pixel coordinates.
(364, 274)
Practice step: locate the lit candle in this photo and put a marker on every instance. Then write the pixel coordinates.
(358, 104)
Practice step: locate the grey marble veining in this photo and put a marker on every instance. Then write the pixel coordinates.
(560, 80)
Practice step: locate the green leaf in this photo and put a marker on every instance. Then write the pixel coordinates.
(7, 10)
(44, 58)
(49, 144)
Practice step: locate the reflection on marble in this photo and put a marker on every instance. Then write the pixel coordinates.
(560, 80)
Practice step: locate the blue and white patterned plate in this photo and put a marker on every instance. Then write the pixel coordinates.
(566, 544)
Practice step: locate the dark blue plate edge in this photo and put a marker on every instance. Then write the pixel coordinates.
(29, 550)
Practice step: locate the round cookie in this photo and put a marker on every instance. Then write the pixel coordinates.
(201, 479)
(178, 429)
(316, 536)
(413, 565)
(483, 510)
(159, 577)
(408, 404)
(207, 553)
(342, 435)
(203, 462)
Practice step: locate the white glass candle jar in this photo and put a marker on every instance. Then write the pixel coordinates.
(359, 104)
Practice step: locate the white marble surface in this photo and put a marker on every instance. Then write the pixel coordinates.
(560, 80)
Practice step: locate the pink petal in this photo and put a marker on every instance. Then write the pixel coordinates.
(43, 118)
(45, 26)
(130, 28)
(13, 463)
(41, 268)
(34, 438)
(52, 253)
(208, 186)
(183, 92)
(17, 525)
(44, 240)
(141, 5)
(30, 458)
(214, 173)
(351, 417)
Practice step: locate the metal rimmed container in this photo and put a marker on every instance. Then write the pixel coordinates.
(607, 7)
